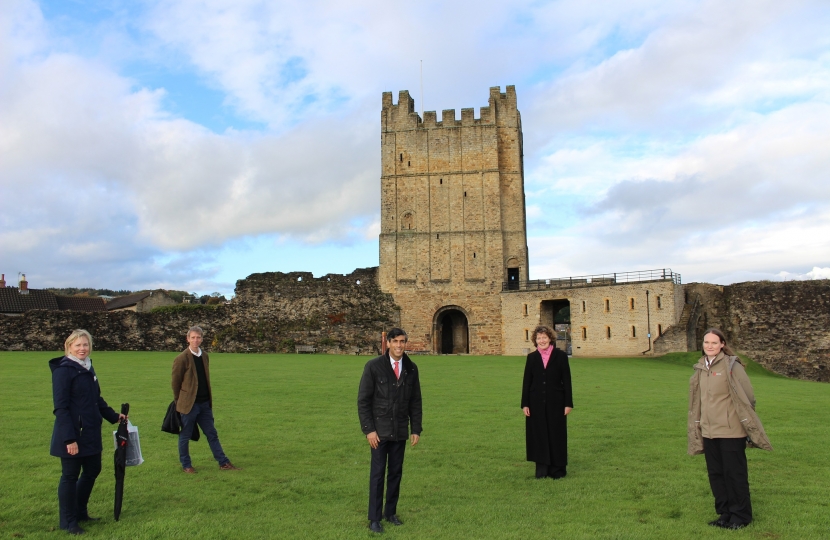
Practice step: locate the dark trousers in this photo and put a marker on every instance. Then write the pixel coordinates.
(201, 414)
(388, 454)
(75, 487)
(728, 477)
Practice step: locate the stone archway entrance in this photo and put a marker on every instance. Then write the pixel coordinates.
(557, 315)
(451, 331)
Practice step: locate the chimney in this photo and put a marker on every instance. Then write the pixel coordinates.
(24, 285)
(2, 280)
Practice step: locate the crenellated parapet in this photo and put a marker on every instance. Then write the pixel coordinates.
(501, 110)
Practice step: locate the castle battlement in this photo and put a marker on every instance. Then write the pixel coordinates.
(501, 110)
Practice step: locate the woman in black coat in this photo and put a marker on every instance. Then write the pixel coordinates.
(546, 402)
(76, 437)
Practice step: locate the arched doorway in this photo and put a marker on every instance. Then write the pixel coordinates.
(557, 315)
(451, 331)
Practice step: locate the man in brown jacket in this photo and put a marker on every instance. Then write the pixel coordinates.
(191, 391)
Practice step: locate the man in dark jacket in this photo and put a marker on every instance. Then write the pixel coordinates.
(388, 400)
(191, 391)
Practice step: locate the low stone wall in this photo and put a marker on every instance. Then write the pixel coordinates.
(272, 312)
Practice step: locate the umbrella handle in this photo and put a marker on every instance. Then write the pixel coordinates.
(125, 409)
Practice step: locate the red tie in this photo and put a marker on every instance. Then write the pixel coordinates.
(397, 369)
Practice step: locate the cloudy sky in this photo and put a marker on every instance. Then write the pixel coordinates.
(188, 143)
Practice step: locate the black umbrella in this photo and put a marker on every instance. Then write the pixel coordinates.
(122, 440)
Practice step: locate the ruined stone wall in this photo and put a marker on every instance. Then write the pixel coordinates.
(784, 326)
(272, 312)
(594, 311)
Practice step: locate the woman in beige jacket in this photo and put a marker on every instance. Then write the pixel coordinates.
(722, 422)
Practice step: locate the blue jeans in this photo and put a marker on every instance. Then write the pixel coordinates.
(200, 414)
(75, 487)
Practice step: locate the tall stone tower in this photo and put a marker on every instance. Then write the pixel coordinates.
(452, 220)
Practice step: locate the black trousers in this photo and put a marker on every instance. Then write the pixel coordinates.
(388, 455)
(75, 487)
(728, 478)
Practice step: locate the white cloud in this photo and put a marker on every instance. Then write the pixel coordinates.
(644, 114)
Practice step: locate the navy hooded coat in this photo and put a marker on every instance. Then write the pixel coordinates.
(79, 409)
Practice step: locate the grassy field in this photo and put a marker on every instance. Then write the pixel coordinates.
(291, 422)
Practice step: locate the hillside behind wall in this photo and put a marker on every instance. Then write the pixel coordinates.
(272, 312)
(784, 326)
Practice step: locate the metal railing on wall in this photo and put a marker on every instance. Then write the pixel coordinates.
(596, 280)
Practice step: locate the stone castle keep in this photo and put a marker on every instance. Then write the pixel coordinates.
(452, 220)
(454, 273)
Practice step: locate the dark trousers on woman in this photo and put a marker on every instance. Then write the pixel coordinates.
(77, 480)
(388, 454)
(728, 477)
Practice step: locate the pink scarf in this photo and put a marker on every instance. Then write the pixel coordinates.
(545, 355)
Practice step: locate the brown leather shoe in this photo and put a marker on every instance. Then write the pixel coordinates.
(189, 470)
(229, 467)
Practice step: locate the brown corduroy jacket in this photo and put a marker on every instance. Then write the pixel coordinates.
(185, 382)
(741, 401)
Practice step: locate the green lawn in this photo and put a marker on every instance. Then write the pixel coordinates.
(291, 422)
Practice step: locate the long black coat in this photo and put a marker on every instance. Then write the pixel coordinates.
(546, 392)
(388, 405)
(79, 409)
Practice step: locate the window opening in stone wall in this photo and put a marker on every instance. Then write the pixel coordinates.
(631, 302)
(441, 181)
(407, 221)
(474, 255)
(583, 306)
(633, 331)
(524, 310)
(608, 332)
(465, 193)
(607, 305)
(408, 163)
(584, 333)
(357, 282)
(437, 236)
(659, 303)
(300, 278)
(401, 158)
(513, 279)
(659, 330)
(527, 335)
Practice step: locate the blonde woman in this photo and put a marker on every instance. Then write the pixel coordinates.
(76, 437)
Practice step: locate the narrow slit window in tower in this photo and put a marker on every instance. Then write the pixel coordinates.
(608, 332)
(633, 331)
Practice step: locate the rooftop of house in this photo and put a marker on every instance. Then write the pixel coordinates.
(122, 302)
(15, 301)
(80, 303)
